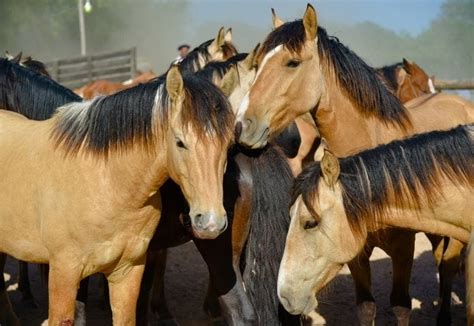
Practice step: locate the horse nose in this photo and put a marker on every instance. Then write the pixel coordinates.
(209, 226)
(285, 301)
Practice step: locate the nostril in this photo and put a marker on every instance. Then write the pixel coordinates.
(198, 220)
(248, 122)
(285, 302)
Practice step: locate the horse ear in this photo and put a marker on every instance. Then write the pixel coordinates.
(277, 22)
(318, 155)
(220, 39)
(229, 81)
(228, 35)
(408, 66)
(251, 60)
(17, 58)
(174, 83)
(8, 55)
(402, 75)
(330, 168)
(310, 22)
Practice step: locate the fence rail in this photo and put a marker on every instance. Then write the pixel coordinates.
(444, 84)
(75, 72)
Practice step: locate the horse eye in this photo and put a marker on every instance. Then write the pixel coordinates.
(310, 224)
(293, 63)
(180, 144)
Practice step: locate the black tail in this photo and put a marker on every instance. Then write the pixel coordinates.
(272, 182)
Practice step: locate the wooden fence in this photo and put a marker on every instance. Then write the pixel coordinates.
(113, 66)
(441, 84)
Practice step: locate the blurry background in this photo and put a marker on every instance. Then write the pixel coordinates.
(437, 34)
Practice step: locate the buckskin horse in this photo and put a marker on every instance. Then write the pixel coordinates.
(424, 183)
(78, 161)
(353, 110)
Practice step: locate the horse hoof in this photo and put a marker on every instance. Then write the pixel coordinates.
(403, 315)
(366, 312)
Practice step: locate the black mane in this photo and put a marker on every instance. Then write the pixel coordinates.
(220, 67)
(389, 74)
(128, 117)
(29, 93)
(407, 171)
(357, 79)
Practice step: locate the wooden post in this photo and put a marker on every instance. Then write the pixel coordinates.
(89, 68)
(55, 71)
(133, 62)
(453, 84)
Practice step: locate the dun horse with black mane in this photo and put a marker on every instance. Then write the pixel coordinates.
(90, 175)
(424, 183)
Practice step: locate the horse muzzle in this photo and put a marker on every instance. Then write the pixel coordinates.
(252, 134)
(208, 225)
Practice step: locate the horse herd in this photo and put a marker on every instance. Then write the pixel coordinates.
(208, 152)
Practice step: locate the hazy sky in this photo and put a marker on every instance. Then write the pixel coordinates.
(412, 16)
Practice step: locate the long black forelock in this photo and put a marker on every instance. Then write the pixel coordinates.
(31, 94)
(205, 109)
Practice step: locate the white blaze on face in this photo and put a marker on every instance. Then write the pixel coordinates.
(431, 86)
(245, 102)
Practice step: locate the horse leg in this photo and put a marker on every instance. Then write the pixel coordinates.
(447, 270)
(24, 286)
(152, 291)
(360, 271)
(81, 302)
(470, 281)
(234, 304)
(63, 282)
(124, 290)
(400, 246)
(7, 315)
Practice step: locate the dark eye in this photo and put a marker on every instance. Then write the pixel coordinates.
(310, 224)
(180, 144)
(293, 63)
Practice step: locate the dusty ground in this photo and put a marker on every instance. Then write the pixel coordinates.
(186, 283)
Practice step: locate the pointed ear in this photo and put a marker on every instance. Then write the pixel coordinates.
(174, 83)
(8, 55)
(251, 60)
(229, 81)
(330, 168)
(408, 66)
(228, 35)
(219, 40)
(402, 75)
(310, 22)
(17, 58)
(277, 22)
(318, 155)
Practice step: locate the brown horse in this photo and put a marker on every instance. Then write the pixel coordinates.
(407, 80)
(353, 110)
(79, 160)
(424, 183)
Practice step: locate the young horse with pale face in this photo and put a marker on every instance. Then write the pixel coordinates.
(424, 183)
(98, 211)
(353, 110)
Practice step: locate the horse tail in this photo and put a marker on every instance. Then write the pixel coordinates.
(269, 222)
(470, 280)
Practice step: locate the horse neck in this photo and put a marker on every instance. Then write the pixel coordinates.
(345, 129)
(138, 173)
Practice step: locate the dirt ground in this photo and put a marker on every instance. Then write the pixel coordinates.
(186, 283)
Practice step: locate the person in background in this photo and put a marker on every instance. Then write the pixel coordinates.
(183, 52)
